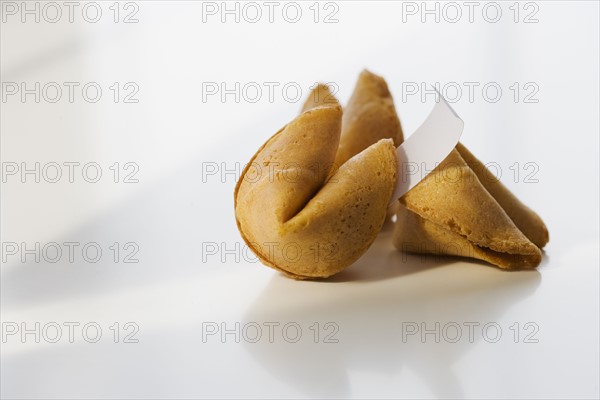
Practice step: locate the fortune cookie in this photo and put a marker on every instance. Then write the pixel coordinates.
(298, 213)
(461, 209)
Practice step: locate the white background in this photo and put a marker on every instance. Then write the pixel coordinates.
(176, 213)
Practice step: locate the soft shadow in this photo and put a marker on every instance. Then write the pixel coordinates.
(383, 291)
(382, 261)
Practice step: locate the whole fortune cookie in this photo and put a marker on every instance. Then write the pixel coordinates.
(300, 213)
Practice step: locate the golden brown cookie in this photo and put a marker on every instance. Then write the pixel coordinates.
(452, 212)
(524, 218)
(414, 234)
(298, 220)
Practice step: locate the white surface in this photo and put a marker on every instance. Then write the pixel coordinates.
(172, 135)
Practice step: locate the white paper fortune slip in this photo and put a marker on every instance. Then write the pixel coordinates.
(429, 145)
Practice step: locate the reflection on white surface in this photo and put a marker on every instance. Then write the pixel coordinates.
(383, 293)
(175, 290)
